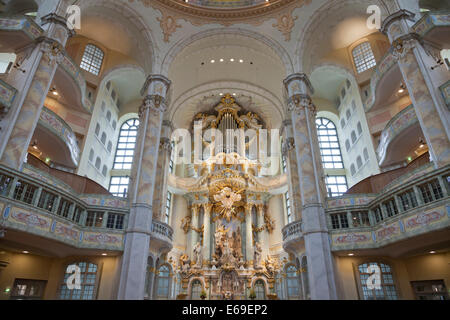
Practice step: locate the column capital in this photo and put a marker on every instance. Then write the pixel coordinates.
(52, 49)
(399, 15)
(403, 44)
(248, 208)
(57, 19)
(165, 144)
(298, 102)
(298, 83)
(208, 208)
(288, 145)
(153, 102)
(156, 84)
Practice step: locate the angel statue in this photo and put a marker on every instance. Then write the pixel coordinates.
(184, 263)
(227, 198)
(198, 256)
(257, 256)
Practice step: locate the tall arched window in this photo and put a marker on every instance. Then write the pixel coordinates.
(88, 276)
(363, 57)
(92, 59)
(260, 290)
(292, 283)
(196, 290)
(126, 145)
(162, 282)
(385, 290)
(329, 144)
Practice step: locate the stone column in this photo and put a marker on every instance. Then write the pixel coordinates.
(414, 58)
(249, 234)
(312, 188)
(292, 170)
(160, 194)
(137, 241)
(194, 225)
(207, 208)
(40, 63)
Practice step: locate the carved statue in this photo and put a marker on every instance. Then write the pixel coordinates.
(198, 256)
(270, 264)
(237, 243)
(184, 263)
(186, 224)
(227, 198)
(257, 256)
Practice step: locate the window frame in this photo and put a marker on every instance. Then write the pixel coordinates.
(363, 57)
(98, 274)
(92, 60)
(327, 125)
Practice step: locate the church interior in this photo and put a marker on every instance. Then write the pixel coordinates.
(224, 150)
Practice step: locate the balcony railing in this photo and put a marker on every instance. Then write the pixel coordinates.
(429, 21)
(52, 210)
(412, 205)
(292, 230)
(58, 126)
(21, 23)
(399, 123)
(162, 229)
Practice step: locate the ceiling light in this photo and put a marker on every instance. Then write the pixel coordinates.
(104, 254)
(234, 94)
(26, 252)
(212, 61)
(221, 60)
(241, 61)
(401, 90)
(232, 60)
(432, 252)
(55, 93)
(221, 94)
(351, 254)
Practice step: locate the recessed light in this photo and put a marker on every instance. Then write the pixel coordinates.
(26, 252)
(241, 61)
(351, 254)
(212, 61)
(432, 252)
(55, 93)
(401, 91)
(221, 94)
(221, 60)
(232, 60)
(104, 254)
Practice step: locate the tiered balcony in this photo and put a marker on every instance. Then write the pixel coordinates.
(411, 207)
(17, 32)
(161, 237)
(396, 140)
(53, 133)
(434, 27)
(293, 236)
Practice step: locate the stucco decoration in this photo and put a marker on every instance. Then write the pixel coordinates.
(285, 24)
(168, 25)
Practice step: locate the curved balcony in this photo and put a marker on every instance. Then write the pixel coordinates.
(399, 138)
(434, 27)
(397, 213)
(31, 211)
(53, 133)
(17, 32)
(161, 237)
(384, 82)
(293, 237)
(71, 84)
(7, 96)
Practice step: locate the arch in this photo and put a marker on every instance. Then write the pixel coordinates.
(292, 281)
(128, 18)
(182, 44)
(126, 144)
(307, 41)
(199, 288)
(163, 281)
(215, 88)
(260, 287)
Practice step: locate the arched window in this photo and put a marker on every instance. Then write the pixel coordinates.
(292, 283)
(92, 59)
(363, 57)
(359, 128)
(352, 169)
(348, 114)
(260, 290)
(103, 139)
(336, 185)
(383, 290)
(126, 145)
(196, 290)
(329, 144)
(98, 163)
(108, 116)
(366, 154)
(91, 155)
(359, 162)
(342, 123)
(354, 137)
(97, 129)
(168, 205)
(88, 277)
(347, 145)
(105, 170)
(162, 282)
(109, 146)
(118, 186)
(288, 207)
(114, 124)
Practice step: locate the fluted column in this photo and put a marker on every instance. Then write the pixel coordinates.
(292, 170)
(312, 187)
(207, 208)
(248, 234)
(194, 225)
(414, 59)
(137, 241)
(39, 65)
(160, 194)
